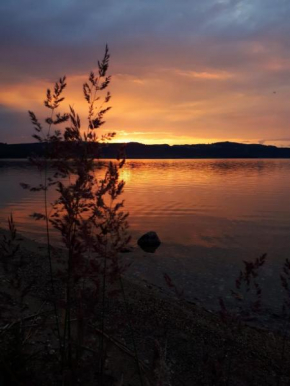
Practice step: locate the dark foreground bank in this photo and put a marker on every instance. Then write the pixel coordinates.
(177, 343)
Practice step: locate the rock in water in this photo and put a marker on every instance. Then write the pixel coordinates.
(149, 242)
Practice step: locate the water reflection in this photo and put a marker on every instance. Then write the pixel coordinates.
(212, 203)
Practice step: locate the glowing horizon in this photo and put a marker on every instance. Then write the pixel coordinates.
(183, 74)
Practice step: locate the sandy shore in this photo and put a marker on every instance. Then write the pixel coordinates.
(200, 349)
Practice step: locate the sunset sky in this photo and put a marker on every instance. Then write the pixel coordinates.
(183, 71)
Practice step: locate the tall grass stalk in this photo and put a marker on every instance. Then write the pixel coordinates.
(87, 213)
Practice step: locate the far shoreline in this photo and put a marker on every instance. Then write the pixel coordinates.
(134, 150)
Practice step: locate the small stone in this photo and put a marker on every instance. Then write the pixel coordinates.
(149, 242)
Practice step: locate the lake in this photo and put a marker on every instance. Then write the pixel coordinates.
(209, 215)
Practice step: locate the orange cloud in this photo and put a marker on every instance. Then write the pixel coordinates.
(276, 64)
(163, 106)
(222, 75)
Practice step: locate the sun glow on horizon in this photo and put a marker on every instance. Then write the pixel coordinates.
(203, 109)
(185, 141)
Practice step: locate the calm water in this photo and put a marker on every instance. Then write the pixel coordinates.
(224, 203)
(209, 214)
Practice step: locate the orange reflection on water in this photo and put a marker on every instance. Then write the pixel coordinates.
(205, 202)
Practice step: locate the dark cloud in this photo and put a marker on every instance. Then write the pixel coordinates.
(15, 126)
(63, 32)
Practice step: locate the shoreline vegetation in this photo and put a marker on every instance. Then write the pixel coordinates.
(136, 150)
(187, 344)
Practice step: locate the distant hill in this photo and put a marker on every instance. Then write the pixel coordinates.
(139, 150)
